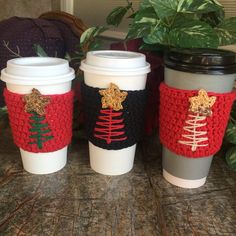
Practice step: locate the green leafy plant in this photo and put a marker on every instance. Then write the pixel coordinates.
(177, 23)
(88, 42)
(230, 139)
(3, 111)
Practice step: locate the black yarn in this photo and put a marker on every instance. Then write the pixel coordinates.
(133, 115)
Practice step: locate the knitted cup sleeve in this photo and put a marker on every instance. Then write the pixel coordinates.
(47, 132)
(109, 128)
(193, 123)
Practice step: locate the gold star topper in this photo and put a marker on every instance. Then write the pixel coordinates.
(112, 97)
(35, 102)
(202, 103)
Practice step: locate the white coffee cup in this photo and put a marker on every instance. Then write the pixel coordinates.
(49, 76)
(128, 70)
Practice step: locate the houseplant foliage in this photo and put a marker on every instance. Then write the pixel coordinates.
(3, 118)
(182, 24)
(177, 23)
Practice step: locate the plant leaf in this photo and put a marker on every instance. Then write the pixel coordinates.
(144, 4)
(117, 14)
(147, 15)
(87, 34)
(199, 6)
(231, 158)
(143, 22)
(226, 31)
(230, 133)
(193, 34)
(39, 51)
(95, 45)
(213, 18)
(164, 8)
(68, 57)
(158, 35)
(172, 7)
(91, 33)
(3, 111)
(138, 30)
(132, 15)
(233, 112)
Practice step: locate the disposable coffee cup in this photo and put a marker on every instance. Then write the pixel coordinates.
(195, 69)
(50, 76)
(127, 70)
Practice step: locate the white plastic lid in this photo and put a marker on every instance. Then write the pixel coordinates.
(111, 62)
(37, 70)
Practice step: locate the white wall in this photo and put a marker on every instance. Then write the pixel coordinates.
(230, 7)
(94, 12)
(26, 8)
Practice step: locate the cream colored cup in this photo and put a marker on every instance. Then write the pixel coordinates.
(128, 70)
(50, 76)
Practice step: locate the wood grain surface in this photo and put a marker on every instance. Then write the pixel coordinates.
(78, 201)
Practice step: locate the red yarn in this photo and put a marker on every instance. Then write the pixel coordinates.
(58, 116)
(109, 126)
(174, 111)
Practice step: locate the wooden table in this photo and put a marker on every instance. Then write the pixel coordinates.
(78, 201)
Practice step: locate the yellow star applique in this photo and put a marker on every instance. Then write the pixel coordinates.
(35, 102)
(112, 97)
(202, 103)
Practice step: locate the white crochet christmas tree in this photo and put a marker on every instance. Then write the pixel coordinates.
(200, 108)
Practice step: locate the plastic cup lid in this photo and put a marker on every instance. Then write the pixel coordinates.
(205, 61)
(115, 62)
(37, 70)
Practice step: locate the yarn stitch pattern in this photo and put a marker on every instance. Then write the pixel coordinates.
(174, 112)
(110, 126)
(58, 116)
(129, 127)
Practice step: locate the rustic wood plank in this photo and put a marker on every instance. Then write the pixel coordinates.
(78, 201)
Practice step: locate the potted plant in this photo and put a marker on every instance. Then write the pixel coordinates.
(179, 24)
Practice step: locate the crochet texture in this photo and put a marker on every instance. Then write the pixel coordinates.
(174, 113)
(130, 119)
(58, 118)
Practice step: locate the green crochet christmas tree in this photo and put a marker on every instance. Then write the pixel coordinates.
(35, 104)
(39, 129)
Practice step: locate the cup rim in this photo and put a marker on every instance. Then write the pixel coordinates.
(115, 72)
(33, 80)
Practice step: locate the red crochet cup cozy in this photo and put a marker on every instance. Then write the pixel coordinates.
(35, 133)
(187, 134)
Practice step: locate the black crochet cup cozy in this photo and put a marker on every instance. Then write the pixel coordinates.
(132, 116)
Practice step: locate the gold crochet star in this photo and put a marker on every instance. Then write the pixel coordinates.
(35, 102)
(202, 103)
(113, 97)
